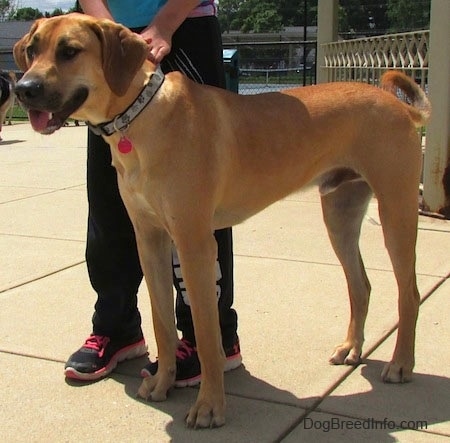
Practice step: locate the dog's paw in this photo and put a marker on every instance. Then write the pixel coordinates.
(203, 415)
(155, 387)
(396, 373)
(346, 354)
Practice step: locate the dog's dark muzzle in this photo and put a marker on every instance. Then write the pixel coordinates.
(46, 108)
(29, 90)
(32, 93)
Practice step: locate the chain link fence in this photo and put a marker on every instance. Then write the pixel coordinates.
(272, 66)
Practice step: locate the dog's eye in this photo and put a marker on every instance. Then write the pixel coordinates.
(68, 52)
(30, 52)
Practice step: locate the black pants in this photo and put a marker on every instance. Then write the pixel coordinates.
(111, 251)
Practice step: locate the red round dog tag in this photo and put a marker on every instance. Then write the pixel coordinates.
(125, 146)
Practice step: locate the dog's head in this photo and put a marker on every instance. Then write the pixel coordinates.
(66, 58)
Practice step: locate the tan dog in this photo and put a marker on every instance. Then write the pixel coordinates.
(7, 96)
(197, 158)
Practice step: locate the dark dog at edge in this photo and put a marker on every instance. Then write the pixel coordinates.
(7, 96)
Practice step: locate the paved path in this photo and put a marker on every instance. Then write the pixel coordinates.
(292, 305)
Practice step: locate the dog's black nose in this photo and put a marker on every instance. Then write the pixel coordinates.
(29, 90)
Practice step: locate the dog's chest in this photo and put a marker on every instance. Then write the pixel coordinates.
(140, 208)
(135, 190)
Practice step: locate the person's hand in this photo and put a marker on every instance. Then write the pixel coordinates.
(159, 43)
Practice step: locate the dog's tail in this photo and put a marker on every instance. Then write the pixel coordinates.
(420, 107)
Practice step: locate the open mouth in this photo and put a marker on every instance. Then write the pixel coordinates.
(46, 122)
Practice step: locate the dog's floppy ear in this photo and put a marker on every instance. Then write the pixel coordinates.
(123, 53)
(20, 56)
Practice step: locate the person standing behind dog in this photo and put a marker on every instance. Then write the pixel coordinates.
(183, 35)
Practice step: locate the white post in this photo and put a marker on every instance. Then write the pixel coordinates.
(436, 194)
(327, 31)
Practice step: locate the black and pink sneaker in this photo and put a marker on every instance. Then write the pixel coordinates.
(99, 356)
(188, 364)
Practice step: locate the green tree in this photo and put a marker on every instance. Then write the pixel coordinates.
(266, 15)
(293, 12)
(55, 13)
(228, 14)
(362, 16)
(355, 16)
(405, 15)
(27, 14)
(76, 7)
(5, 9)
(250, 15)
(260, 16)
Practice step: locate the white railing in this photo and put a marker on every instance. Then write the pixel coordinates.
(365, 59)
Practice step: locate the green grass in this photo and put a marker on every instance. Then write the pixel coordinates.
(17, 113)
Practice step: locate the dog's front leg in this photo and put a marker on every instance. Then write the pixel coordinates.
(154, 248)
(198, 260)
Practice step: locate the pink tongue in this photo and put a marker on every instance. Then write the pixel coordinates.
(39, 120)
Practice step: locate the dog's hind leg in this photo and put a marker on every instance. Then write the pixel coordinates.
(343, 211)
(395, 178)
(400, 232)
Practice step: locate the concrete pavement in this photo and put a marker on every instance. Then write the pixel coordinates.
(290, 295)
